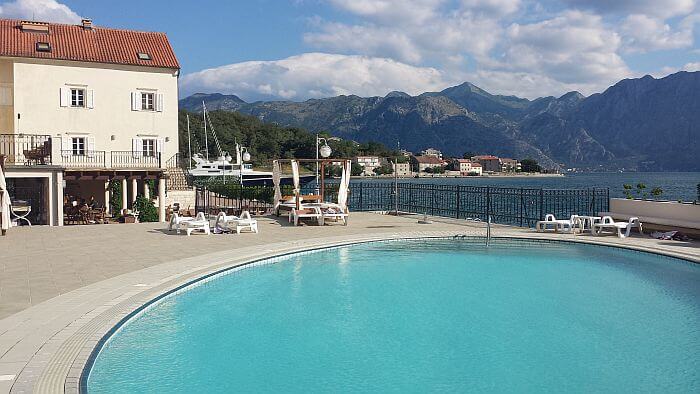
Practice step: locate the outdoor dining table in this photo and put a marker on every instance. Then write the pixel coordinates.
(585, 222)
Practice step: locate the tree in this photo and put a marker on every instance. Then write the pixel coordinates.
(468, 155)
(356, 169)
(384, 169)
(530, 165)
(657, 192)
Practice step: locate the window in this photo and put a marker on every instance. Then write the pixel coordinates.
(143, 56)
(148, 101)
(43, 47)
(149, 147)
(77, 97)
(78, 146)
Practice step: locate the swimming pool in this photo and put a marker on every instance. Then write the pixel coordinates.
(421, 315)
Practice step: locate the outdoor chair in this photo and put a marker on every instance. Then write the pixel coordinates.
(552, 223)
(236, 223)
(607, 223)
(177, 221)
(200, 223)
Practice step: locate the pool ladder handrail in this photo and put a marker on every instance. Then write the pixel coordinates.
(488, 230)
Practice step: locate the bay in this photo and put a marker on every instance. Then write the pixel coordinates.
(675, 185)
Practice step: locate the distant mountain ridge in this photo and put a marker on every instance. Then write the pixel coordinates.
(636, 124)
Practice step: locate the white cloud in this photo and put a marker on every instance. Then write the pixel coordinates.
(314, 75)
(391, 11)
(643, 33)
(40, 10)
(572, 48)
(691, 66)
(658, 8)
(492, 7)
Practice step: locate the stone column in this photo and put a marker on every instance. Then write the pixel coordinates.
(59, 198)
(107, 207)
(161, 199)
(125, 195)
(134, 191)
(146, 189)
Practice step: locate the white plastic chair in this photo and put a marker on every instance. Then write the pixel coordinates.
(607, 223)
(236, 223)
(556, 224)
(177, 220)
(200, 223)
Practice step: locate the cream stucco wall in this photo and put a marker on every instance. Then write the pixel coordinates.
(37, 85)
(6, 111)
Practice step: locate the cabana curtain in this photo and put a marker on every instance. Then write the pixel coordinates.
(4, 202)
(344, 185)
(295, 176)
(276, 174)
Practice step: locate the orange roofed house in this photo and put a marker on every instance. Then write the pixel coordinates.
(83, 105)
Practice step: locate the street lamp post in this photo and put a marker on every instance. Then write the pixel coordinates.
(245, 156)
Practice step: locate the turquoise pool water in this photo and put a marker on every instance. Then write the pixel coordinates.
(421, 316)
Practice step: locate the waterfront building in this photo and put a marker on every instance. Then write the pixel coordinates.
(421, 163)
(489, 163)
(510, 165)
(432, 152)
(402, 169)
(82, 105)
(368, 163)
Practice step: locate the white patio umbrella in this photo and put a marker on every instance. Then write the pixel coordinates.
(276, 182)
(295, 175)
(4, 202)
(344, 185)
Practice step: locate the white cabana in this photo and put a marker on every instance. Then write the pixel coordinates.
(4, 203)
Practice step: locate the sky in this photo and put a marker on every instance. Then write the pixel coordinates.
(301, 49)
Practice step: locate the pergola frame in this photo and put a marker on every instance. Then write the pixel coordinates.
(322, 162)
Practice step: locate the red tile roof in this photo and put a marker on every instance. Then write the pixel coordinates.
(485, 157)
(428, 160)
(99, 45)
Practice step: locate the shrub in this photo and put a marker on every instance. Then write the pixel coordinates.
(147, 211)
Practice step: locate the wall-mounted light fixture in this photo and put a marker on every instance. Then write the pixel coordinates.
(167, 139)
(112, 137)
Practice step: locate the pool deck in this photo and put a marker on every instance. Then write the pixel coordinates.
(62, 289)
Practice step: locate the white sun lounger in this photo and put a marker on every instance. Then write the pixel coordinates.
(176, 221)
(200, 223)
(305, 213)
(335, 213)
(607, 223)
(552, 223)
(236, 223)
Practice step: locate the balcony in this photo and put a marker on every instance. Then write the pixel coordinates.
(130, 159)
(86, 160)
(38, 150)
(26, 149)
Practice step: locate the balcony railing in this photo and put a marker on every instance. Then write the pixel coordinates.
(87, 159)
(26, 149)
(130, 159)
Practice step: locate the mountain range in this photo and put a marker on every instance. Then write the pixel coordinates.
(637, 124)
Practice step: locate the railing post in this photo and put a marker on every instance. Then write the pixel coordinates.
(457, 192)
(361, 206)
(522, 207)
(488, 202)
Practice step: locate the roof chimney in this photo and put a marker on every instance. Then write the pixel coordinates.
(87, 24)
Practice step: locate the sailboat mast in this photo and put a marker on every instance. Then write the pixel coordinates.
(206, 142)
(189, 144)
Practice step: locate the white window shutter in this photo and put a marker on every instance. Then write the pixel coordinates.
(5, 95)
(91, 99)
(159, 102)
(90, 146)
(136, 147)
(66, 146)
(65, 96)
(160, 145)
(135, 98)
